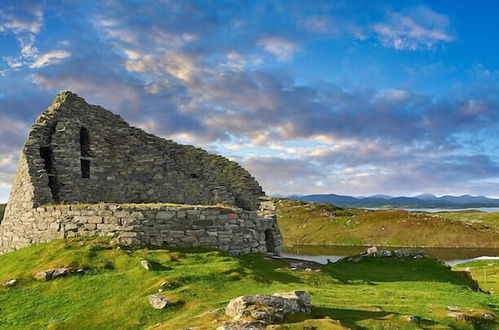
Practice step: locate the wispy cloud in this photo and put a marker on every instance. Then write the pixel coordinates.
(53, 57)
(420, 28)
(283, 49)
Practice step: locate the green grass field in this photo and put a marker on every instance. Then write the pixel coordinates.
(305, 223)
(375, 294)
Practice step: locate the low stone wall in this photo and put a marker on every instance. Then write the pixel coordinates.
(232, 230)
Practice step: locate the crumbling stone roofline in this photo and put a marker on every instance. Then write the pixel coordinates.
(120, 153)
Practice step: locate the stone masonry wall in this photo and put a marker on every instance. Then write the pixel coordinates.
(81, 153)
(233, 230)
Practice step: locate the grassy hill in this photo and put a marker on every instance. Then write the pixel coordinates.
(304, 223)
(111, 294)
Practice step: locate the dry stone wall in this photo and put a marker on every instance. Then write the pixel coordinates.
(112, 177)
(81, 153)
(233, 230)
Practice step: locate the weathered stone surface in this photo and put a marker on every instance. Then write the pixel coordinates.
(243, 325)
(269, 309)
(372, 250)
(146, 264)
(51, 274)
(127, 165)
(157, 301)
(10, 282)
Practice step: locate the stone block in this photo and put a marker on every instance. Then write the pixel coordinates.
(95, 219)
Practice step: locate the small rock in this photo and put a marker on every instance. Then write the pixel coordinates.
(10, 282)
(458, 316)
(453, 308)
(372, 250)
(146, 264)
(45, 275)
(411, 318)
(384, 253)
(157, 301)
(60, 272)
(160, 290)
(488, 316)
(51, 274)
(308, 270)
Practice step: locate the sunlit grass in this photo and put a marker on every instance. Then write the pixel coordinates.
(112, 293)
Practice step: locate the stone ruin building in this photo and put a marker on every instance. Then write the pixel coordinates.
(85, 172)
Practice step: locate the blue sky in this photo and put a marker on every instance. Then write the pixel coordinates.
(350, 97)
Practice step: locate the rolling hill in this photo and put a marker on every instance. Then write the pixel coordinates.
(304, 223)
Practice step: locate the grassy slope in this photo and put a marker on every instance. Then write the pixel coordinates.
(475, 218)
(323, 224)
(486, 272)
(112, 293)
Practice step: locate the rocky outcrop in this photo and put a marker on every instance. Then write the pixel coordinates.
(52, 274)
(374, 252)
(257, 311)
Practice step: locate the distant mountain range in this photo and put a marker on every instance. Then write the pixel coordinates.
(385, 201)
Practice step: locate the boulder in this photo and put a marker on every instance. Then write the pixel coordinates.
(146, 264)
(269, 309)
(158, 301)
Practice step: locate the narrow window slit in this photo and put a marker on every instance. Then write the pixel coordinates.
(84, 142)
(85, 169)
(85, 152)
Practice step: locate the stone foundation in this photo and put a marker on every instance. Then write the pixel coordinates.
(233, 230)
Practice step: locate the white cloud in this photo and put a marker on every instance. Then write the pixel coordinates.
(321, 24)
(283, 49)
(53, 57)
(419, 29)
(29, 21)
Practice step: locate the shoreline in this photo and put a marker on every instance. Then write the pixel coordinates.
(393, 246)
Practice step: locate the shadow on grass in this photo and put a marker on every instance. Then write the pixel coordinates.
(156, 266)
(346, 317)
(267, 271)
(350, 317)
(374, 270)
